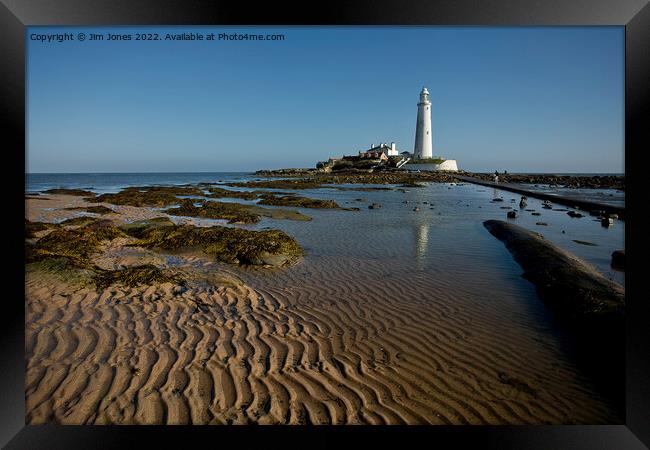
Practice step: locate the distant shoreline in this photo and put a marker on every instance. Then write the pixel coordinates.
(573, 174)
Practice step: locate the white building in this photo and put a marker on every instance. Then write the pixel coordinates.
(423, 139)
(389, 151)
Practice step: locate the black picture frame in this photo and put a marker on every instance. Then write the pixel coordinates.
(15, 15)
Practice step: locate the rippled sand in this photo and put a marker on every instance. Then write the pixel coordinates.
(335, 339)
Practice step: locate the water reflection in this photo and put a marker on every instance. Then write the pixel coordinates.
(421, 243)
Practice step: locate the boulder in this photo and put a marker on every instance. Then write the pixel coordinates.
(618, 259)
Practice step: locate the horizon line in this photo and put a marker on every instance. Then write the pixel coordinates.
(287, 168)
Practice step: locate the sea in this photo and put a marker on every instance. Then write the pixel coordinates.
(448, 225)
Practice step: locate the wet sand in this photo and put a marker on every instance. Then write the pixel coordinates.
(320, 342)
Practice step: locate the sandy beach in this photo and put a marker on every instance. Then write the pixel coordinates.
(266, 345)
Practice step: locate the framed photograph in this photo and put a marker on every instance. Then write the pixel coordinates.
(364, 224)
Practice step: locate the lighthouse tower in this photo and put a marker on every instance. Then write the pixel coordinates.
(423, 147)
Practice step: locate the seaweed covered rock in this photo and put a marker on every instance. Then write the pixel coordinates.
(175, 190)
(231, 245)
(216, 192)
(146, 274)
(134, 197)
(294, 200)
(138, 228)
(232, 212)
(148, 195)
(301, 183)
(77, 245)
(569, 181)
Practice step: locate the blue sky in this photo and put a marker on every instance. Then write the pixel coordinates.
(540, 99)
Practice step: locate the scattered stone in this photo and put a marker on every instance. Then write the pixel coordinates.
(416, 209)
(498, 199)
(607, 221)
(536, 214)
(574, 214)
(512, 214)
(584, 242)
(541, 223)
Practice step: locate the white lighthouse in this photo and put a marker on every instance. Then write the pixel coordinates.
(423, 138)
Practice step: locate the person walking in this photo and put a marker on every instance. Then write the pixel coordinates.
(496, 176)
